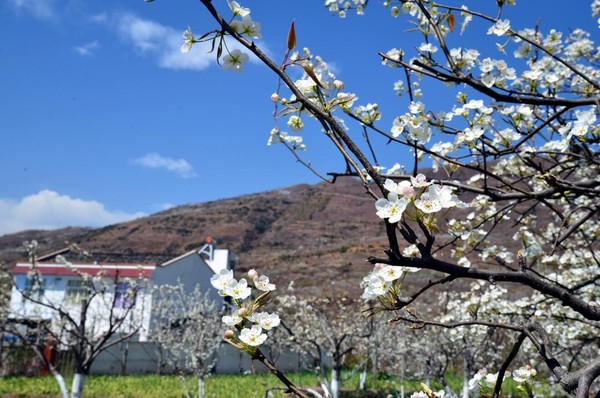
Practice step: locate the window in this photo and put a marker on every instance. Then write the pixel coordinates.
(77, 290)
(34, 287)
(124, 295)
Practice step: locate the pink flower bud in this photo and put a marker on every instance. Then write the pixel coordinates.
(253, 274)
(379, 266)
(338, 84)
(274, 97)
(243, 311)
(229, 334)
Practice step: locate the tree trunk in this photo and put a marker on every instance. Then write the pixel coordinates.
(326, 389)
(60, 380)
(466, 376)
(402, 374)
(335, 382)
(78, 384)
(160, 359)
(124, 355)
(362, 378)
(201, 387)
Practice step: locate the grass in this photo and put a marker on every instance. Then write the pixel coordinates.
(149, 386)
(219, 386)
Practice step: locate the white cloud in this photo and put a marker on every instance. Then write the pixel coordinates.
(163, 43)
(166, 206)
(99, 18)
(49, 210)
(42, 9)
(177, 166)
(87, 48)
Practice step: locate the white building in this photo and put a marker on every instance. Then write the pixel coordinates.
(112, 289)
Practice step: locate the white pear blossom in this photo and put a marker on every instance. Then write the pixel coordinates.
(390, 273)
(262, 283)
(238, 290)
(188, 40)
(391, 208)
(374, 286)
(295, 123)
(474, 381)
(428, 47)
(231, 320)
(265, 320)
(247, 27)
(419, 181)
(253, 337)
(472, 133)
(428, 203)
(524, 374)
(221, 280)
(235, 60)
(403, 188)
(416, 107)
(237, 9)
(499, 28)
(305, 86)
(490, 380)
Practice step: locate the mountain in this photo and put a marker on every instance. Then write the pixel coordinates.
(309, 233)
(319, 235)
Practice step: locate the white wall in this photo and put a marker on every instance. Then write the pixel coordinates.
(98, 315)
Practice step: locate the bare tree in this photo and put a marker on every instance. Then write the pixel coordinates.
(99, 317)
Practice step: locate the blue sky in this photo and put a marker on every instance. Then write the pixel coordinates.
(103, 119)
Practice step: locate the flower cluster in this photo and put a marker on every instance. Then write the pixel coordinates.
(383, 279)
(341, 7)
(319, 85)
(248, 322)
(523, 376)
(233, 59)
(415, 124)
(426, 197)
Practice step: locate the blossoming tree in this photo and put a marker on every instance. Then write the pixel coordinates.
(188, 332)
(519, 144)
(324, 331)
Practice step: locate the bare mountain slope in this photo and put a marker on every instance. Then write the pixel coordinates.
(317, 235)
(308, 233)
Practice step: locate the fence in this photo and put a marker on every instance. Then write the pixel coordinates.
(130, 358)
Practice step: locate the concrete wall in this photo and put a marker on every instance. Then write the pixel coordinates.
(143, 358)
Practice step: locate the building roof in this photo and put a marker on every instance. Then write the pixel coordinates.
(108, 270)
(126, 264)
(127, 256)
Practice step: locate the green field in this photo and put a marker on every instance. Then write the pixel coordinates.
(219, 386)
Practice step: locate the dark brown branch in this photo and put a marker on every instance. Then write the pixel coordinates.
(504, 367)
(568, 298)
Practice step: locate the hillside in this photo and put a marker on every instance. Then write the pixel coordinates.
(288, 234)
(317, 235)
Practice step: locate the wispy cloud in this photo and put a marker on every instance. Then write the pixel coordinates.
(163, 43)
(49, 210)
(86, 50)
(41, 9)
(178, 166)
(99, 18)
